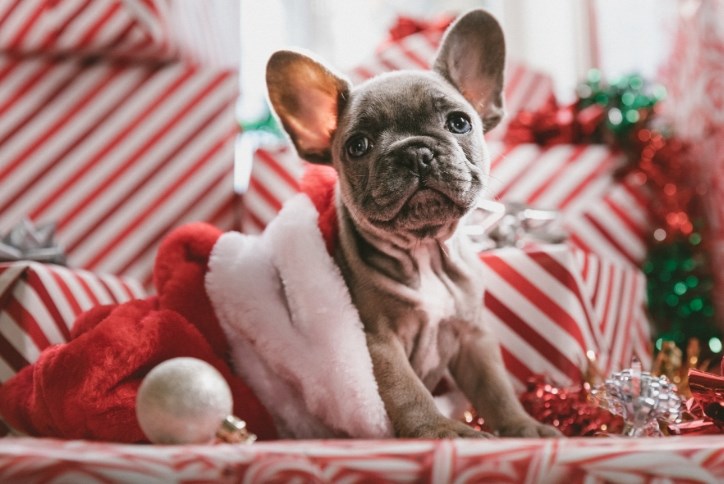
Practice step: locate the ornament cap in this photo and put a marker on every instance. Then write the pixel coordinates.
(233, 430)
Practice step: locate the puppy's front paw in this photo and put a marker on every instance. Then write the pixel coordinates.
(447, 429)
(528, 428)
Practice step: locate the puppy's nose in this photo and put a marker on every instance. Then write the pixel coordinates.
(418, 158)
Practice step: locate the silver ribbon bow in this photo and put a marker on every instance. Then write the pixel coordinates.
(642, 399)
(26, 241)
(512, 224)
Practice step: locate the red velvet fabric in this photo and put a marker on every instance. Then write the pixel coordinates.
(318, 183)
(86, 388)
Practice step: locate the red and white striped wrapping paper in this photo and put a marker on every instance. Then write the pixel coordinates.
(544, 461)
(554, 306)
(39, 304)
(603, 215)
(115, 153)
(154, 30)
(112, 27)
(525, 88)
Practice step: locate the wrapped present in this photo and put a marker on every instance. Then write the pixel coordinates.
(115, 150)
(116, 154)
(601, 213)
(460, 460)
(40, 302)
(118, 27)
(152, 30)
(555, 307)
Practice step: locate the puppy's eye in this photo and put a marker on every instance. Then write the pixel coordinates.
(358, 146)
(458, 123)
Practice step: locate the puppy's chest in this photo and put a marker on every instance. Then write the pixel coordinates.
(435, 296)
(440, 311)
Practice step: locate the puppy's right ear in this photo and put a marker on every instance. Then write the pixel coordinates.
(307, 96)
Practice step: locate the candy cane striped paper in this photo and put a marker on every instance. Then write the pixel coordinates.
(573, 461)
(554, 308)
(602, 215)
(119, 27)
(40, 302)
(275, 173)
(116, 154)
(525, 88)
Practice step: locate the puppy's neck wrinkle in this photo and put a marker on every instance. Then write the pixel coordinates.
(400, 263)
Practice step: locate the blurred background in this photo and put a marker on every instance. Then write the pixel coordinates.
(563, 38)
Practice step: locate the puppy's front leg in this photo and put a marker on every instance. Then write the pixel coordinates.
(409, 404)
(479, 372)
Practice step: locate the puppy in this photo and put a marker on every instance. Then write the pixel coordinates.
(409, 150)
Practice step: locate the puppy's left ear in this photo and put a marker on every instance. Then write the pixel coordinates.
(472, 58)
(307, 96)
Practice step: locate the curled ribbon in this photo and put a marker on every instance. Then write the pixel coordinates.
(705, 409)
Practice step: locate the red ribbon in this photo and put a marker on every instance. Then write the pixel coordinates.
(408, 25)
(706, 407)
(554, 125)
(570, 410)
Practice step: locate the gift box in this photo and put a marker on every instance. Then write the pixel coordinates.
(562, 313)
(115, 27)
(601, 212)
(40, 302)
(115, 149)
(576, 460)
(148, 30)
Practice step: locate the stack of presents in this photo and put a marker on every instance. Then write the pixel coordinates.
(116, 129)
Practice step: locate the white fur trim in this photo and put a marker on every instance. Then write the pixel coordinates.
(296, 337)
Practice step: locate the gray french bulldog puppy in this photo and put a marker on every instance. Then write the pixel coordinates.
(409, 150)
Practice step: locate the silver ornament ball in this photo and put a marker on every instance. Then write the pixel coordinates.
(183, 401)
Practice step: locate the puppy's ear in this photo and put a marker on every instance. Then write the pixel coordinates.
(472, 58)
(307, 97)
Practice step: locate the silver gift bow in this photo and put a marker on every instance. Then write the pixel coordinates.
(641, 398)
(512, 224)
(26, 241)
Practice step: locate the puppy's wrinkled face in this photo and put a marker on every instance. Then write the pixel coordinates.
(410, 153)
(408, 146)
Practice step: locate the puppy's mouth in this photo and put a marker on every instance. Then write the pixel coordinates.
(424, 213)
(426, 204)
